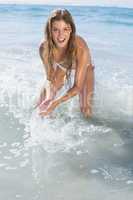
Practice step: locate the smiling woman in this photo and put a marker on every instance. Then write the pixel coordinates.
(61, 52)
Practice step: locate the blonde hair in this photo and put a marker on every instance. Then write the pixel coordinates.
(56, 15)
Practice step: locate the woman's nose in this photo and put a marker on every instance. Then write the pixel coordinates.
(61, 33)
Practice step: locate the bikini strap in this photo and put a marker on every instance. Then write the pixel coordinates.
(60, 66)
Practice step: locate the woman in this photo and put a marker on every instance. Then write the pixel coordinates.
(63, 52)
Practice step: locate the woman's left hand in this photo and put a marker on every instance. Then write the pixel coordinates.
(49, 109)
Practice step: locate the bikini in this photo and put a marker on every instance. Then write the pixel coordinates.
(55, 65)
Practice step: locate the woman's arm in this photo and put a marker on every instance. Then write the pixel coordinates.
(44, 90)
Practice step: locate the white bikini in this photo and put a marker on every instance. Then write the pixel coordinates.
(55, 65)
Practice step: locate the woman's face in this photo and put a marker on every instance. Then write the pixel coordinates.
(61, 33)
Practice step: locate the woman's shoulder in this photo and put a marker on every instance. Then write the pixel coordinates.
(82, 48)
(43, 45)
(83, 51)
(81, 44)
(43, 48)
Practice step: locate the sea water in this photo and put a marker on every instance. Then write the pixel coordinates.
(66, 156)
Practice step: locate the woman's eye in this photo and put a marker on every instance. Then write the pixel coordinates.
(55, 29)
(66, 29)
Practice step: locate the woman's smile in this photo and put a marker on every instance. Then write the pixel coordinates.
(61, 40)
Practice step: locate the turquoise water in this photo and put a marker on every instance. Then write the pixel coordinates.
(66, 157)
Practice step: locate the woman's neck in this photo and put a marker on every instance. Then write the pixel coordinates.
(59, 54)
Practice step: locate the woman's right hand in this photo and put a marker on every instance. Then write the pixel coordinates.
(43, 106)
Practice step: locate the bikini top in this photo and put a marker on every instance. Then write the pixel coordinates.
(55, 65)
(71, 81)
(62, 67)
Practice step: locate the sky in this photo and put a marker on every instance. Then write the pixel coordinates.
(120, 3)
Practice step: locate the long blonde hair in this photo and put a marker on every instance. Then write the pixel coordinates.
(60, 14)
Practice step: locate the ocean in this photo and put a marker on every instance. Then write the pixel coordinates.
(66, 156)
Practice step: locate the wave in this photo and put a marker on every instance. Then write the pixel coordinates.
(111, 15)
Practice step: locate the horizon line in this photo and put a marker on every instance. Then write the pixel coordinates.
(65, 4)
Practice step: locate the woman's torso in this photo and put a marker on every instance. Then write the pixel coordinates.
(59, 68)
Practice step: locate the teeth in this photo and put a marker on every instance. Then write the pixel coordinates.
(61, 40)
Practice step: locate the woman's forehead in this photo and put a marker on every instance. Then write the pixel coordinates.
(60, 23)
